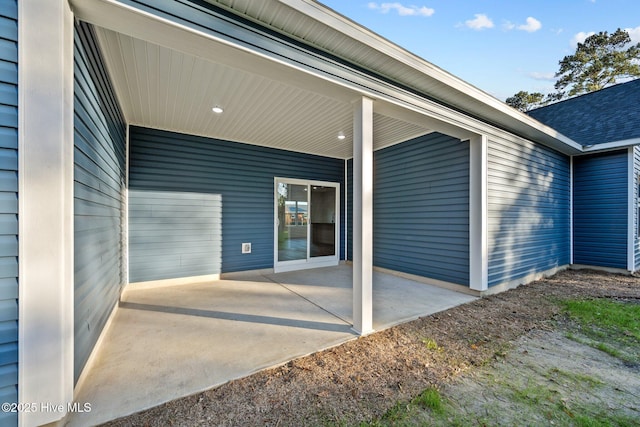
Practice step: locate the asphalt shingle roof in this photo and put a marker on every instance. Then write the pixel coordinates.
(608, 115)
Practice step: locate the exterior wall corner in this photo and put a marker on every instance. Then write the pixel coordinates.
(478, 211)
(45, 370)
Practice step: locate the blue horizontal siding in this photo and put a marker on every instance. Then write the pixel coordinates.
(229, 187)
(174, 233)
(421, 208)
(99, 179)
(528, 210)
(600, 209)
(8, 208)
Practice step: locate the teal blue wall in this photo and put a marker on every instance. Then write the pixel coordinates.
(8, 208)
(193, 201)
(528, 210)
(421, 208)
(99, 183)
(600, 209)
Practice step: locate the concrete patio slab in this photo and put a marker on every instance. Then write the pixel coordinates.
(395, 299)
(166, 343)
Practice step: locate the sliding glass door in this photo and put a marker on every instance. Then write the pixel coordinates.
(293, 222)
(306, 224)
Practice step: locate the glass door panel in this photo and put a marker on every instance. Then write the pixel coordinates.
(323, 221)
(293, 221)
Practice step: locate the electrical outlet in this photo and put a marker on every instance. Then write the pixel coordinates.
(246, 248)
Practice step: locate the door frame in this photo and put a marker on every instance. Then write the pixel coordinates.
(309, 262)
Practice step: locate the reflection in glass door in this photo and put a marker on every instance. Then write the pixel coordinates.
(306, 224)
(293, 219)
(323, 221)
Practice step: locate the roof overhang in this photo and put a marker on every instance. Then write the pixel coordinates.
(425, 77)
(169, 69)
(611, 146)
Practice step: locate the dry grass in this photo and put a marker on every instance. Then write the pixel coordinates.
(362, 379)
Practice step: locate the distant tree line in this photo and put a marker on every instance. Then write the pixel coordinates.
(601, 60)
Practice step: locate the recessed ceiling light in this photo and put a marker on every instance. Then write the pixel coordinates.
(341, 136)
(217, 109)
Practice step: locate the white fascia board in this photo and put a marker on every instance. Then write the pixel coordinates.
(610, 146)
(355, 31)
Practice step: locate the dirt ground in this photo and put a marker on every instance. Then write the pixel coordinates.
(546, 379)
(361, 380)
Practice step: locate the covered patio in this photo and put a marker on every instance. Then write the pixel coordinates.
(169, 342)
(185, 119)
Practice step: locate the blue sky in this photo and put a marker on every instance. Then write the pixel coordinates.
(499, 46)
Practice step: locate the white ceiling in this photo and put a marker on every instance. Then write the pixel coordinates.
(264, 104)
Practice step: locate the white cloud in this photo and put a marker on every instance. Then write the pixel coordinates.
(536, 75)
(580, 38)
(508, 25)
(634, 33)
(480, 22)
(531, 26)
(402, 9)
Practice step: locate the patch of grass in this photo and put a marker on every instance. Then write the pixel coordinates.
(574, 377)
(543, 396)
(606, 314)
(533, 394)
(431, 344)
(402, 413)
(398, 412)
(610, 326)
(602, 419)
(429, 399)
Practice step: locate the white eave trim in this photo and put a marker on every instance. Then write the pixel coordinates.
(609, 146)
(355, 31)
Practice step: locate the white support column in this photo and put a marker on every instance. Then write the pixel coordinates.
(45, 108)
(363, 216)
(478, 211)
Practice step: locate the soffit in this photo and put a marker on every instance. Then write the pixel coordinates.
(163, 88)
